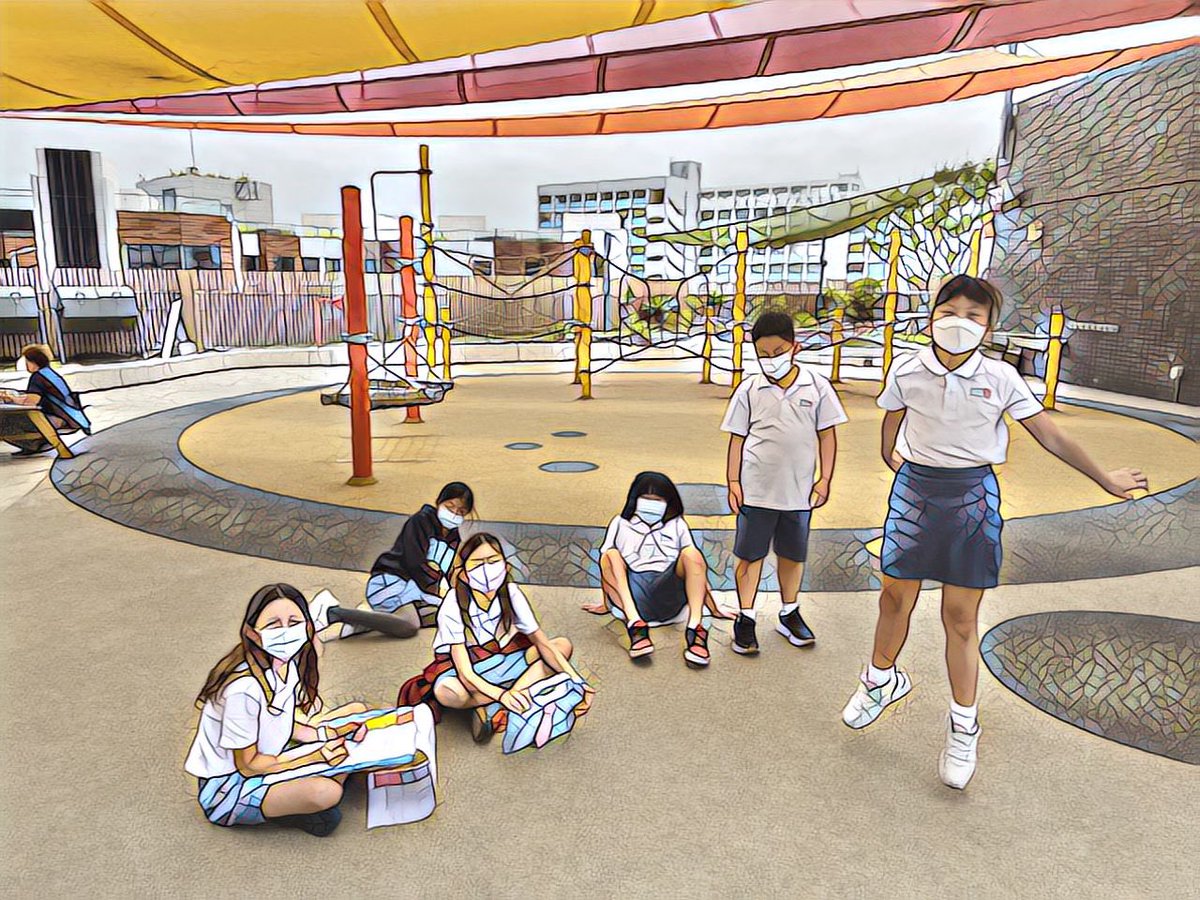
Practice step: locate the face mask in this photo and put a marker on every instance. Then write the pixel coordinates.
(448, 519)
(651, 511)
(284, 643)
(488, 577)
(956, 335)
(776, 367)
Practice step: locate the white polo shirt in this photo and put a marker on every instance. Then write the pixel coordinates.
(648, 548)
(241, 717)
(955, 419)
(485, 624)
(779, 458)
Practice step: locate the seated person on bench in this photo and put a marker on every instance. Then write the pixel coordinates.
(651, 570)
(407, 582)
(48, 392)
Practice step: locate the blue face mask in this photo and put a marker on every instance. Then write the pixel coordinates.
(651, 511)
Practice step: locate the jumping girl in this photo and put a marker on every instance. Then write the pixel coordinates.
(651, 569)
(943, 431)
(248, 720)
(489, 646)
(407, 582)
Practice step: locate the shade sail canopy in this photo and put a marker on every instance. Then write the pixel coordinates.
(301, 57)
(815, 223)
(958, 77)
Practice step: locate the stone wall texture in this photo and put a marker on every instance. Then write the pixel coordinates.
(1108, 170)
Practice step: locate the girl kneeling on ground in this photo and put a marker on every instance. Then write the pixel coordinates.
(407, 582)
(248, 718)
(489, 646)
(651, 569)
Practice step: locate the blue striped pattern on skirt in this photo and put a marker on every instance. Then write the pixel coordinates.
(233, 799)
(944, 525)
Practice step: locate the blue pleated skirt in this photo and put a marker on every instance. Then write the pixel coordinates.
(944, 525)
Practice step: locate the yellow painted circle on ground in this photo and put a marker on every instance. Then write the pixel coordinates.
(666, 422)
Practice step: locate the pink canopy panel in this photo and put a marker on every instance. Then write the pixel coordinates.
(771, 37)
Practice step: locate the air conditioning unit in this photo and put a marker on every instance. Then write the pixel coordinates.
(89, 309)
(18, 310)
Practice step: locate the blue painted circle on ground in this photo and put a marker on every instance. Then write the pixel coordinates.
(523, 445)
(568, 434)
(568, 466)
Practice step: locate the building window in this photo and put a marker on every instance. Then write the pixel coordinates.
(760, 213)
(543, 201)
(481, 266)
(742, 214)
(310, 263)
(203, 257)
(778, 211)
(533, 265)
(657, 195)
(333, 264)
(250, 263)
(706, 252)
(288, 264)
(370, 265)
(637, 269)
(723, 216)
(724, 193)
(640, 194)
(757, 269)
(73, 208)
(168, 199)
(777, 271)
(759, 192)
(706, 215)
(576, 198)
(854, 268)
(158, 256)
(622, 195)
(560, 202)
(607, 195)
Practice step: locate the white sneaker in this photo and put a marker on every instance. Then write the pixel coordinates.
(318, 609)
(868, 703)
(956, 764)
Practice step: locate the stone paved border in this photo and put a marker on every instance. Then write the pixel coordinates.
(135, 474)
(1128, 678)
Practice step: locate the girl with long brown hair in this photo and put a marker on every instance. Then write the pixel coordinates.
(248, 720)
(489, 646)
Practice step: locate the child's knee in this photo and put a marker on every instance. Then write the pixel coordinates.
(693, 559)
(450, 693)
(563, 645)
(325, 793)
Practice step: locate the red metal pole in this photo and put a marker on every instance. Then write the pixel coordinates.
(356, 327)
(408, 293)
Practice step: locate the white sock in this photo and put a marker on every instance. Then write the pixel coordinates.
(748, 613)
(964, 717)
(789, 607)
(876, 677)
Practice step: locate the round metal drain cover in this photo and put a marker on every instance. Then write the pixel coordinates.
(568, 466)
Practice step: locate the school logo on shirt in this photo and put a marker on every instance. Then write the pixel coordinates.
(985, 393)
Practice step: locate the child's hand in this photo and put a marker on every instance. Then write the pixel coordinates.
(359, 734)
(334, 752)
(735, 497)
(1123, 482)
(820, 493)
(515, 701)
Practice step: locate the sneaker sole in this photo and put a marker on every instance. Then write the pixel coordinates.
(792, 639)
(638, 654)
(745, 651)
(890, 705)
(696, 662)
(953, 787)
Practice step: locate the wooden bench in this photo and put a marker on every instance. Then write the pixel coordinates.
(28, 423)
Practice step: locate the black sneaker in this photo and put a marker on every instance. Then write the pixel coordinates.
(321, 824)
(793, 627)
(745, 641)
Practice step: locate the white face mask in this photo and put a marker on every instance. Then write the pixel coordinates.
(285, 642)
(651, 511)
(957, 335)
(488, 577)
(776, 367)
(448, 519)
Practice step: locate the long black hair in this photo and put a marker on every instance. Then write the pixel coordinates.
(661, 486)
(456, 490)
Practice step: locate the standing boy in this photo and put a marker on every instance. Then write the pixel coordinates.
(780, 423)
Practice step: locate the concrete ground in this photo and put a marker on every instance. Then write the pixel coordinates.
(738, 782)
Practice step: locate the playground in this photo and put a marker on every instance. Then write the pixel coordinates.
(283, 420)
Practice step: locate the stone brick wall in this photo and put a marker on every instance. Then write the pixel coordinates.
(1108, 171)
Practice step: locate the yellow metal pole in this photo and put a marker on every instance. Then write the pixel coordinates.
(706, 353)
(1054, 357)
(428, 268)
(836, 336)
(977, 244)
(582, 270)
(742, 243)
(889, 300)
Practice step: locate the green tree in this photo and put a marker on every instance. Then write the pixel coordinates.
(935, 231)
(861, 299)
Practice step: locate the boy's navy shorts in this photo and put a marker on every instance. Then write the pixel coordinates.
(758, 529)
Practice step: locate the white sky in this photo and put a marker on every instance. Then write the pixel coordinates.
(497, 177)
